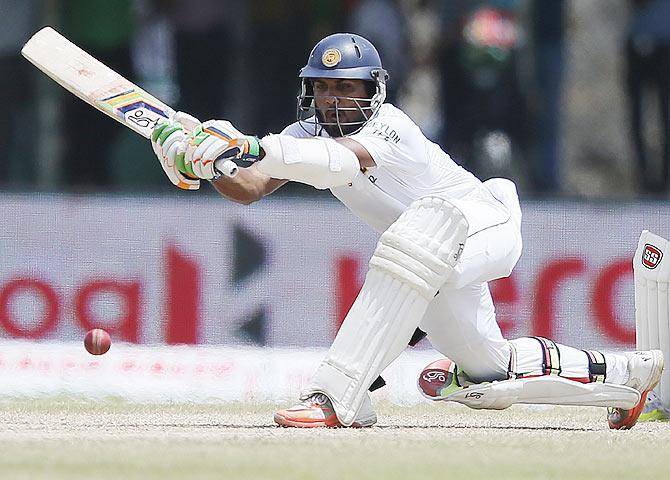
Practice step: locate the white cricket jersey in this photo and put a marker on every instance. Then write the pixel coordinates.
(408, 167)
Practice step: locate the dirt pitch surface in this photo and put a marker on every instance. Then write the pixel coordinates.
(73, 439)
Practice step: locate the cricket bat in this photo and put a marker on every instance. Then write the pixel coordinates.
(100, 86)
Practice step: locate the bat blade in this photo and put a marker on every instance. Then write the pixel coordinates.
(95, 83)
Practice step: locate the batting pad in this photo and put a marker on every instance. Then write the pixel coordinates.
(410, 263)
(651, 269)
(549, 390)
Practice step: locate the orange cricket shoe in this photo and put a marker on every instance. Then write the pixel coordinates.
(318, 411)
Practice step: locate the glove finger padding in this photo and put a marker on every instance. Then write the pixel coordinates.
(164, 132)
(223, 128)
(171, 155)
(158, 129)
(202, 153)
(169, 147)
(204, 164)
(209, 142)
(213, 152)
(166, 140)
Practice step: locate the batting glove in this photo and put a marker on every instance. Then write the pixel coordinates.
(216, 147)
(167, 139)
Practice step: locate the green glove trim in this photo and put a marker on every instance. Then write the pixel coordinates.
(183, 167)
(166, 132)
(198, 135)
(254, 147)
(157, 130)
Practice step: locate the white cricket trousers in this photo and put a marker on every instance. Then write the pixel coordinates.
(460, 321)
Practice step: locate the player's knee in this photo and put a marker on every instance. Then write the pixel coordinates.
(423, 245)
(505, 192)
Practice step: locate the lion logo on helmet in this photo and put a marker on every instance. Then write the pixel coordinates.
(331, 57)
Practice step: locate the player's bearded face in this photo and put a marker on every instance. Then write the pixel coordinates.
(341, 105)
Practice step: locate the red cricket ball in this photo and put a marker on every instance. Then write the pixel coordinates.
(97, 341)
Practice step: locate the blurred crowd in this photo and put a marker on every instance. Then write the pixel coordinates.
(486, 79)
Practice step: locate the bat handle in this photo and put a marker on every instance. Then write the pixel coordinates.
(189, 122)
(227, 167)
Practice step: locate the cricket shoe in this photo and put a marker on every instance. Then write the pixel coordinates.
(654, 410)
(644, 373)
(440, 378)
(317, 411)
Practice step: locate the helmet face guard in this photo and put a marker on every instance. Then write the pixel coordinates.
(311, 118)
(341, 56)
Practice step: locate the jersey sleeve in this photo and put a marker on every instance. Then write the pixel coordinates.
(394, 142)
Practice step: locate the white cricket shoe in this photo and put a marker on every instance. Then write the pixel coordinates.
(318, 411)
(644, 370)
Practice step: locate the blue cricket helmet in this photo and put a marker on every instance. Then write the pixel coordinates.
(343, 56)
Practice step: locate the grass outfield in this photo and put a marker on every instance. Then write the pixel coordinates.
(71, 439)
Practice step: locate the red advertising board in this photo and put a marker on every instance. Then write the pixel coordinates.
(284, 272)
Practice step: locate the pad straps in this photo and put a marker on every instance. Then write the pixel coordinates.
(597, 367)
(551, 360)
(551, 356)
(512, 366)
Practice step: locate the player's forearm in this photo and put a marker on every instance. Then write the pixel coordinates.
(248, 186)
(320, 162)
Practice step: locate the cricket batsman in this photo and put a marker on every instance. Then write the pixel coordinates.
(444, 234)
